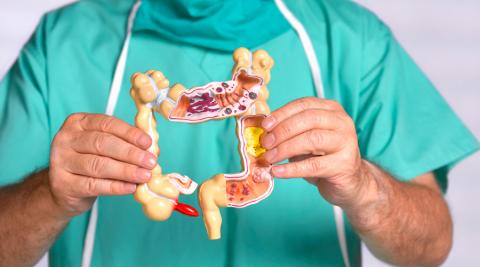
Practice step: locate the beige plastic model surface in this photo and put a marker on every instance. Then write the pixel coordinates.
(159, 196)
(260, 64)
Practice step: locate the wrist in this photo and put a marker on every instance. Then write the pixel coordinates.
(52, 207)
(371, 205)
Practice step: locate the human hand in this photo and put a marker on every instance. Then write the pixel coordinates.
(320, 141)
(94, 155)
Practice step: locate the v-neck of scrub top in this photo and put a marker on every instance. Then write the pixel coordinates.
(222, 25)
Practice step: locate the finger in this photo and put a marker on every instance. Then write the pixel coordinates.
(104, 144)
(103, 167)
(313, 167)
(313, 142)
(117, 127)
(91, 187)
(298, 106)
(300, 123)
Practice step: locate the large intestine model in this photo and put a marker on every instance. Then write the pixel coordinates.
(245, 97)
(159, 196)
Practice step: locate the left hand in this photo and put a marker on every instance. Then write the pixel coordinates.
(319, 139)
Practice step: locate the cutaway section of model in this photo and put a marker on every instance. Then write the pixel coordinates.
(159, 196)
(255, 182)
(215, 100)
(238, 190)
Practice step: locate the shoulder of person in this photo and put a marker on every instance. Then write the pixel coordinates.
(87, 16)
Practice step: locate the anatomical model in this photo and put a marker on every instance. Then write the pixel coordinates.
(159, 196)
(245, 97)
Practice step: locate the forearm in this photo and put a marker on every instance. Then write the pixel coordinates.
(30, 220)
(402, 223)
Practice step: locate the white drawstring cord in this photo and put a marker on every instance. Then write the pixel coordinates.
(307, 46)
(112, 102)
(317, 81)
(121, 63)
(342, 237)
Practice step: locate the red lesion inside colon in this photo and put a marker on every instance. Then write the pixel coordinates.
(238, 190)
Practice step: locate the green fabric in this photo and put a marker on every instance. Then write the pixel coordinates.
(403, 126)
(213, 24)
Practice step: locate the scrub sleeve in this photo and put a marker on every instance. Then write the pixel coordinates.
(24, 124)
(403, 123)
(28, 123)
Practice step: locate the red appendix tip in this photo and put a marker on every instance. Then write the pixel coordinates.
(186, 209)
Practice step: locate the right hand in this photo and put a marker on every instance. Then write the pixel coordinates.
(94, 155)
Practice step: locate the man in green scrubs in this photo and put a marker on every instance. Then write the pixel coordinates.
(380, 148)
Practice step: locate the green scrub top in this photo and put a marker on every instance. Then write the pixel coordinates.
(403, 125)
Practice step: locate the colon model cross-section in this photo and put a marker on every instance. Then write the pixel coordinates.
(238, 190)
(243, 97)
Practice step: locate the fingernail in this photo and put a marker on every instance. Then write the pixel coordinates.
(270, 155)
(268, 140)
(278, 171)
(144, 141)
(143, 175)
(269, 122)
(130, 188)
(149, 160)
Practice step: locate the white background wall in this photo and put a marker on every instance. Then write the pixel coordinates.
(444, 38)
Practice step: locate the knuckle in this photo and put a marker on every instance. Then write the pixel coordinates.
(333, 104)
(107, 123)
(96, 165)
(74, 117)
(317, 116)
(305, 102)
(91, 186)
(134, 154)
(315, 138)
(134, 133)
(350, 123)
(314, 166)
(346, 120)
(99, 143)
(283, 131)
(345, 117)
(339, 116)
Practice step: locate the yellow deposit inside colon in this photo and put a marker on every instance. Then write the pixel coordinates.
(252, 140)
